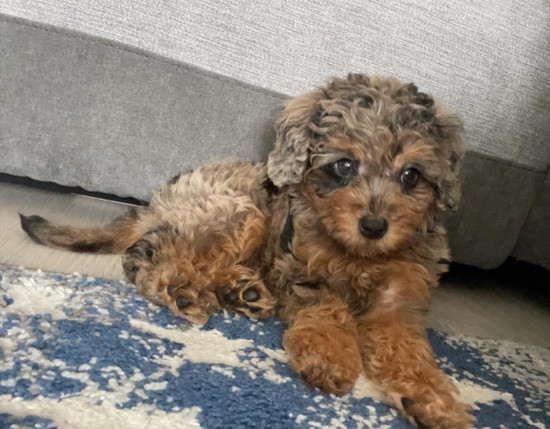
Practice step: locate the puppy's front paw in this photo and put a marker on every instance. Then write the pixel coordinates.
(188, 302)
(324, 356)
(247, 296)
(443, 412)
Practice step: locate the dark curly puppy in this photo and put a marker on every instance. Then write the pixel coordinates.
(349, 245)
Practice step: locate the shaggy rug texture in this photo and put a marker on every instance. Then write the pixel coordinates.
(82, 352)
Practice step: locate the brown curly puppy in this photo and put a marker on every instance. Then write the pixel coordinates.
(197, 247)
(366, 168)
(348, 237)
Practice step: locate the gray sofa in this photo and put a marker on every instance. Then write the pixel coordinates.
(119, 96)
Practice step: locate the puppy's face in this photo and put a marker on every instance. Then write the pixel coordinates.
(375, 159)
(372, 196)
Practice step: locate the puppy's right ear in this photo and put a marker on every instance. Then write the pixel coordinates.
(289, 159)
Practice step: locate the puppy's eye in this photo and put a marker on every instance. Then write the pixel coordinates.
(409, 178)
(343, 168)
(341, 171)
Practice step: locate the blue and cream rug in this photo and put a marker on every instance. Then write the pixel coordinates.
(81, 352)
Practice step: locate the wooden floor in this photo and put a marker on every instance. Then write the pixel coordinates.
(510, 303)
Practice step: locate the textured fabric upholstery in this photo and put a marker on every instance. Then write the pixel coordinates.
(534, 241)
(109, 119)
(496, 201)
(489, 59)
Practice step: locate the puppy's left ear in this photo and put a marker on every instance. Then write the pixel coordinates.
(449, 131)
(288, 161)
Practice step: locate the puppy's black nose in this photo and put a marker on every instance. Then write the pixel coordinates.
(373, 227)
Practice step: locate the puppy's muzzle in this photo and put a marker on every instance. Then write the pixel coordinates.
(373, 227)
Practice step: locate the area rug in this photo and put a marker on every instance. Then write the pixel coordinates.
(82, 353)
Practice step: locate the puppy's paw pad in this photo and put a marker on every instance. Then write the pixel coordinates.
(170, 289)
(184, 302)
(406, 402)
(141, 249)
(231, 298)
(251, 295)
(248, 297)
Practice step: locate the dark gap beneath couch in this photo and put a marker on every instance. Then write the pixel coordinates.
(61, 189)
(523, 280)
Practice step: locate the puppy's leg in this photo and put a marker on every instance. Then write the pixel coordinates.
(322, 341)
(239, 287)
(398, 357)
(241, 290)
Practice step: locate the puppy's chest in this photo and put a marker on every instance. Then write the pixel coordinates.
(355, 281)
(357, 290)
(324, 262)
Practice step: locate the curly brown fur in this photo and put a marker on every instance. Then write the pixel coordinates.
(346, 233)
(324, 343)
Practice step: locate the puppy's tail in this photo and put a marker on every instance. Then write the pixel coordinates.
(112, 238)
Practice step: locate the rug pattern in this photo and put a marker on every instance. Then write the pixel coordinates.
(82, 352)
